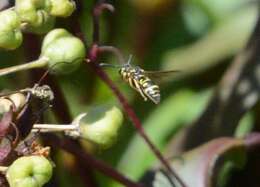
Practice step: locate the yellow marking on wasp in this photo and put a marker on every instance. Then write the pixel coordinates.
(137, 79)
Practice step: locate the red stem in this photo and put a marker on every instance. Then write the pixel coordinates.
(88, 160)
(133, 117)
(101, 5)
(93, 53)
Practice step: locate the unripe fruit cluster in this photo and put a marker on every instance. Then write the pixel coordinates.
(37, 16)
(101, 126)
(16, 100)
(29, 171)
(61, 53)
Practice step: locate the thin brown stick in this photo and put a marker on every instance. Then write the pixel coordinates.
(113, 50)
(100, 6)
(93, 53)
(135, 120)
(88, 160)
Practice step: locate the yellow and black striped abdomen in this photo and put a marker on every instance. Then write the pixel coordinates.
(150, 89)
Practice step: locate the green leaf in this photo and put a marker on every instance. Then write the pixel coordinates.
(169, 117)
(222, 42)
(245, 125)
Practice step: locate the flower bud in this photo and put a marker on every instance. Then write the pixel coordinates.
(64, 51)
(101, 125)
(36, 14)
(31, 11)
(29, 171)
(47, 23)
(5, 105)
(10, 34)
(18, 99)
(62, 8)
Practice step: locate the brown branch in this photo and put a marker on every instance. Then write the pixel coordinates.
(93, 53)
(135, 120)
(113, 50)
(98, 9)
(88, 160)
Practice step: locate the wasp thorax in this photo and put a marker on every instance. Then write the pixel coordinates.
(43, 92)
(122, 70)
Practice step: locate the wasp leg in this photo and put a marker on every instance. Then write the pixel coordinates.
(139, 89)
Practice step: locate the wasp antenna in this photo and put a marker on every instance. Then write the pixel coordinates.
(129, 59)
(43, 77)
(109, 65)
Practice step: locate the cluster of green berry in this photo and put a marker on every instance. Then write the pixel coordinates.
(36, 16)
(99, 130)
(61, 53)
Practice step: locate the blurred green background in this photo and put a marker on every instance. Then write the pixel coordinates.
(197, 37)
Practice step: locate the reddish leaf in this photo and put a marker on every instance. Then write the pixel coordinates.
(5, 123)
(5, 151)
(201, 167)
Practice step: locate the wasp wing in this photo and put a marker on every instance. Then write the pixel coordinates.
(161, 76)
(161, 72)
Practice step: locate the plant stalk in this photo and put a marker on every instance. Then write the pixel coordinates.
(41, 62)
(54, 127)
(3, 169)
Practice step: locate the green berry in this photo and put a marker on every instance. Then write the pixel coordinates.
(10, 33)
(5, 106)
(64, 51)
(31, 11)
(35, 13)
(47, 23)
(29, 171)
(62, 8)
(101, 126)
(54, 35)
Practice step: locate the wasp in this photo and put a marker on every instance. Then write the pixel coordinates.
(140, 80)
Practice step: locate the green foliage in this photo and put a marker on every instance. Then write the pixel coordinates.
(245, 125)
(166, 120)
(201, 15)
(197, 38)
(225, 40)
